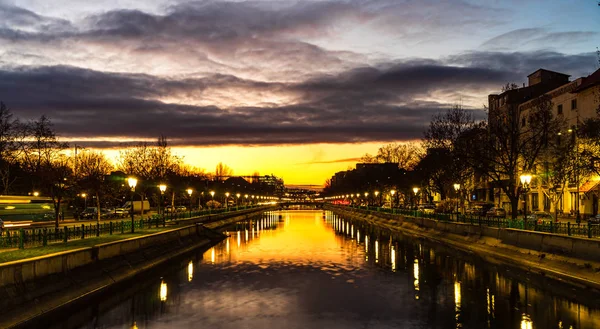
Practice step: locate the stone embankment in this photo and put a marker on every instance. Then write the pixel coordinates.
(570, 259)
(36, 286)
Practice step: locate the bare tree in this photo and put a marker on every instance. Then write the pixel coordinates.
(92, 169)
(222, 170)
(406, 155)
(41, 156)
(150, 163)
(7, 147)
(507, 146)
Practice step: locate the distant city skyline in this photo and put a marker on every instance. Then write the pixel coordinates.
(295, 89)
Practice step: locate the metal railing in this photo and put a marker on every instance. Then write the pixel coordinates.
(583, 230)
(35, 237)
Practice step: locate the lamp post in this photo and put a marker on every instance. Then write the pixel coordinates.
(190, 191)
(237, 200)
(132, 181)
(36, 194)
(162, 188)
(457, 188)
(525, 181)
(416, 190)
(226, 200)
(84, 196)
(392, 192)
(246, 196)
(367, 199)
(377, 198)
(576, 141)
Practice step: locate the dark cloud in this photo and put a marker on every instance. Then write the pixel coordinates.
(371, 103)
(219, 73)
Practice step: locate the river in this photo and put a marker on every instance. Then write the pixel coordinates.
(313, 269)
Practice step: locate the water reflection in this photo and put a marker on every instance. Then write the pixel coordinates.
(309, 269)
(163, 291)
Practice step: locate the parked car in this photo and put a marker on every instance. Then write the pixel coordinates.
(426, 208)
(540, 216)
(180, 208)
(594, 220)
(496, 212)
(92, 213)
(121, 212)
(89, 213)
(479, 209)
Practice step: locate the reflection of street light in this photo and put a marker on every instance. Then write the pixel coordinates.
(525, 180)
(163, 291)
(190, 191)
(132, 183)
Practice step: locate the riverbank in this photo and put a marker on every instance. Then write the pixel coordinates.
(569, 259)
(32, 287)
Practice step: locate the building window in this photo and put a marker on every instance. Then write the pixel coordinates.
(535, 202)
(559, 109)
(573, 104)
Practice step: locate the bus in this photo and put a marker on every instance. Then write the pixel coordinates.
(17, 208)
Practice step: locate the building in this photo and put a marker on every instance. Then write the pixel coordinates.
(574, 101)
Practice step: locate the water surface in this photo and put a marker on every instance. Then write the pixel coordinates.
(310, 269)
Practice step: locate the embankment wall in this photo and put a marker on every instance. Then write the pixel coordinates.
(32, 287)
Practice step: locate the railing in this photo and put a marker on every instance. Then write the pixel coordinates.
(35, 237)
(584, 230)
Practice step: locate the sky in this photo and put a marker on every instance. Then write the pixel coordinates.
(298, 89)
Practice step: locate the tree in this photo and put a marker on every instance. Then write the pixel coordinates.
(7, 147)
(152, 164)
(444, 165)
(222, 170)
(92, 168)
(508, 146)
(41, 156)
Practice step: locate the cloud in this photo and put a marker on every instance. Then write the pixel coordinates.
(537, 38)
(334, 161)
(386, 102)
(251, 72)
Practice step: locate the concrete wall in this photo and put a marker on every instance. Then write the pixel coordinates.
(577, 247)
(22, 271)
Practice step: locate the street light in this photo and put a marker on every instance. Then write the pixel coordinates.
(416, 190)
(246, 196)
(83, 195)
(457, 188)
(190, 191)
(162, 188)
(36, 194)
(525, 181)
(237, 200)
(392, 192)
(376, 199)
(132, 181)
(227, 200)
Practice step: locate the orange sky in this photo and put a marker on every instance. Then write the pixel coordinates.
(296, 164)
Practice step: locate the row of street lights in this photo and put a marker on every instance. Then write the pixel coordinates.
(132, 182)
